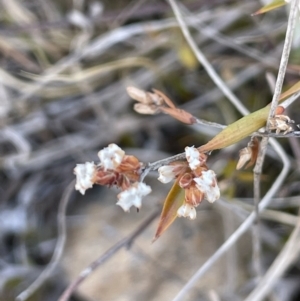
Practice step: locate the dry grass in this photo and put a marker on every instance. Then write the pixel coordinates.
(65, 66)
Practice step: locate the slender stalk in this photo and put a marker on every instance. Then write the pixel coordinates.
(265, 140)
(285, 56)
(204, 61)
(59, 248)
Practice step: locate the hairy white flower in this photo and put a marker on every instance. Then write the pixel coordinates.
(192, 156)
(166, 174)
(187, 210)
(207, 183)
(84, 176)
(111, 156)
(133, 195)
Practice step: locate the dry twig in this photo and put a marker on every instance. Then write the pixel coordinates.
(59, 248)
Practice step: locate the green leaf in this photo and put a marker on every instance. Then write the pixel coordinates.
(239, 129)
(174, 200)
(273, 5)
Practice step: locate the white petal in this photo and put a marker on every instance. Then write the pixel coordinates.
(142, 188)
(144, 109)
(187, 210)
(138, 94)
(84, 176)
(166, 174)
(192, 156)
(133, 196)
(111, 156)
(207, 183)
(127, 198)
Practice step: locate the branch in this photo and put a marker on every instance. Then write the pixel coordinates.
(285, 56)
(204, 62)
(260, 159)
(61, 218)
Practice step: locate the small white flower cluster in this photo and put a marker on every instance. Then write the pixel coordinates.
(207, 185)
(133, 195)
(108, 170)
(198, 181)
(111, 156)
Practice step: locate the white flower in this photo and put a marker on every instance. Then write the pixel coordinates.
(166, 174)
(84, 176)
(192, 156)
(187, 210)
(133, 195)
(207, 183)
(111, 156)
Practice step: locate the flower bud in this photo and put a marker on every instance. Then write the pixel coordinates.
(187, 210)
(166, 174)
(193, 196)
(145, 109)
(186, 180)
(138, 94)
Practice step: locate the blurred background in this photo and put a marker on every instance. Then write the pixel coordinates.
(64, 69)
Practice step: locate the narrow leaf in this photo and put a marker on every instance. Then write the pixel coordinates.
(239, 129)
(273, 5)
(174, 200)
